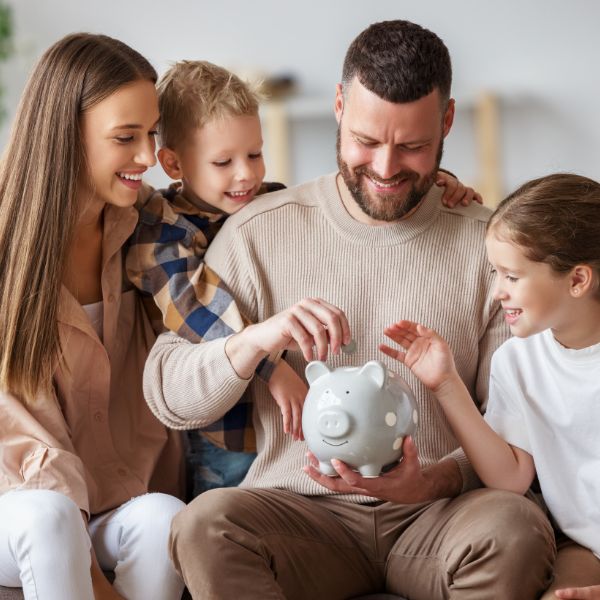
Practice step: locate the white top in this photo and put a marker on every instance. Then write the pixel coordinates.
(545, 399)
(95, 312)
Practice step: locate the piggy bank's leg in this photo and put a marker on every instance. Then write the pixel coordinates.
(370, 470)
(327, 469)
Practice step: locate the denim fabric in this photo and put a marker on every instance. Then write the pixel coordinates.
(212, 467)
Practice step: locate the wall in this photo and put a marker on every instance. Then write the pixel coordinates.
(531, 53)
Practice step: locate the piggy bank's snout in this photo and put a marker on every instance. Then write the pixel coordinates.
(334, 423)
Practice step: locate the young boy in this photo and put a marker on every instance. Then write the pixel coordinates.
(211, 143)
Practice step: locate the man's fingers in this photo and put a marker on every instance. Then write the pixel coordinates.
(315, 328)
(326, 324)
(410, 456)
(342, 325)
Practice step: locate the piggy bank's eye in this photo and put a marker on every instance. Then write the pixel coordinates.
(347, 391)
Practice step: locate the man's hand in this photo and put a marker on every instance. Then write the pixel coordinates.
(591, 592)
(311, 323)
(407, 483)
(289, 392)
(455, 192)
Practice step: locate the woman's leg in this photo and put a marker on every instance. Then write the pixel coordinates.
(132, 540)
(44, 546)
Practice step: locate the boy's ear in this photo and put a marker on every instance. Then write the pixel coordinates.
(170, 163)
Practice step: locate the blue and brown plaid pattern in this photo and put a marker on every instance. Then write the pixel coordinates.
(165, 261)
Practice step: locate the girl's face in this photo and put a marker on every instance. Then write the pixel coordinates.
(534, 297)
(118, 136)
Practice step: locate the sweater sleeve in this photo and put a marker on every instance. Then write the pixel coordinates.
(37, 452)
(188, 385)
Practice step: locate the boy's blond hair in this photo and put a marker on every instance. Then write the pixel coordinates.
(193, 92)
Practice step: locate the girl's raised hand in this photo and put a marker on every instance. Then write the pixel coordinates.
(424, 352)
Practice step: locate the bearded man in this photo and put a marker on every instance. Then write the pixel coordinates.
(363, 247)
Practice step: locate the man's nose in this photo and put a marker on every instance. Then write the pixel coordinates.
(386, 162)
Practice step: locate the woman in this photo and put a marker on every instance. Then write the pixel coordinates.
(79, 447)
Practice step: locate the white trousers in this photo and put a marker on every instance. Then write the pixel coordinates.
(45, 548)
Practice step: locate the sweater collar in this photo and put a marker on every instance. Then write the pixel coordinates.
(389, 234)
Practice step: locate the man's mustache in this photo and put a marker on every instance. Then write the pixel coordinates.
(397, 178)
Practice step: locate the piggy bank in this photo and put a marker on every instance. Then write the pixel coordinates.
(359, 415)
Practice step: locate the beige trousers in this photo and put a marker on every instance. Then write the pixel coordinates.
(244, 544)
(575, 566)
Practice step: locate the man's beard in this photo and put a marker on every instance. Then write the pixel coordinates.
(387, 207)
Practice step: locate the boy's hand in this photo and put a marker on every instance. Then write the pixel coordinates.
(426, 354)
(289, 392)
(455, 192)
(591, 592)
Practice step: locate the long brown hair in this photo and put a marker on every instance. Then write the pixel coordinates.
(555, 220)
(39, 207)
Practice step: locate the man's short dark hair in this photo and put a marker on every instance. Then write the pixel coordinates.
(399, 61)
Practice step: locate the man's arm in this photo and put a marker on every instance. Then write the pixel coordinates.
(178, 373)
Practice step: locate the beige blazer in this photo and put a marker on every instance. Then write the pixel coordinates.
(95, 439)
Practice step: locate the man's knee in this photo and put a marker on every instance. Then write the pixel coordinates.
(511, 524)
(204, 516)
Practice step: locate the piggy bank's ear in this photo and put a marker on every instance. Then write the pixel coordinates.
(376, 371)
(316, 369)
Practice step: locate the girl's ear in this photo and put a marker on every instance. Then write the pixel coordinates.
(581, 280)
(170, 163)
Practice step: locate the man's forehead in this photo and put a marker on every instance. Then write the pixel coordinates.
(367, 114)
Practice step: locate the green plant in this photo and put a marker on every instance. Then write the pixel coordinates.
(6, 47)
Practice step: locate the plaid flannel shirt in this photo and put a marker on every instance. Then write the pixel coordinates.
(165, 262)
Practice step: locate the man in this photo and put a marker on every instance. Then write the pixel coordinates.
(375, 240)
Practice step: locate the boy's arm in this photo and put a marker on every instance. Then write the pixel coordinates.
(165, 259)
(455, 192)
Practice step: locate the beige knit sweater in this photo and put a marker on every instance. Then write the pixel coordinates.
(301, 242)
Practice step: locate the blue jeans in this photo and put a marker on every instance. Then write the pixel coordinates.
(212, 467)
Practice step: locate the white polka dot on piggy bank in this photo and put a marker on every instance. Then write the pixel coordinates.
(359, 415)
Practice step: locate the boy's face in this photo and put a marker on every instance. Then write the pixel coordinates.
(222, 162)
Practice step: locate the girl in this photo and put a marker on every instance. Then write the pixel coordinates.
(79, 447)
(543, 414)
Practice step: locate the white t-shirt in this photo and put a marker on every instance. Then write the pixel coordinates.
(545, 399)
(95, 312)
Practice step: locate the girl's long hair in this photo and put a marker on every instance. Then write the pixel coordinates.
(39, 177)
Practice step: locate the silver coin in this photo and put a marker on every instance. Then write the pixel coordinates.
(349, 348)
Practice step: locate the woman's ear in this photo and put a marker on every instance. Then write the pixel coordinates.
(170, 163)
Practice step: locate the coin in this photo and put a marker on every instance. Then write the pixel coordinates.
(349, 348)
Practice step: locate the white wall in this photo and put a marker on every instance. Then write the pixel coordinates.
(539, 56)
